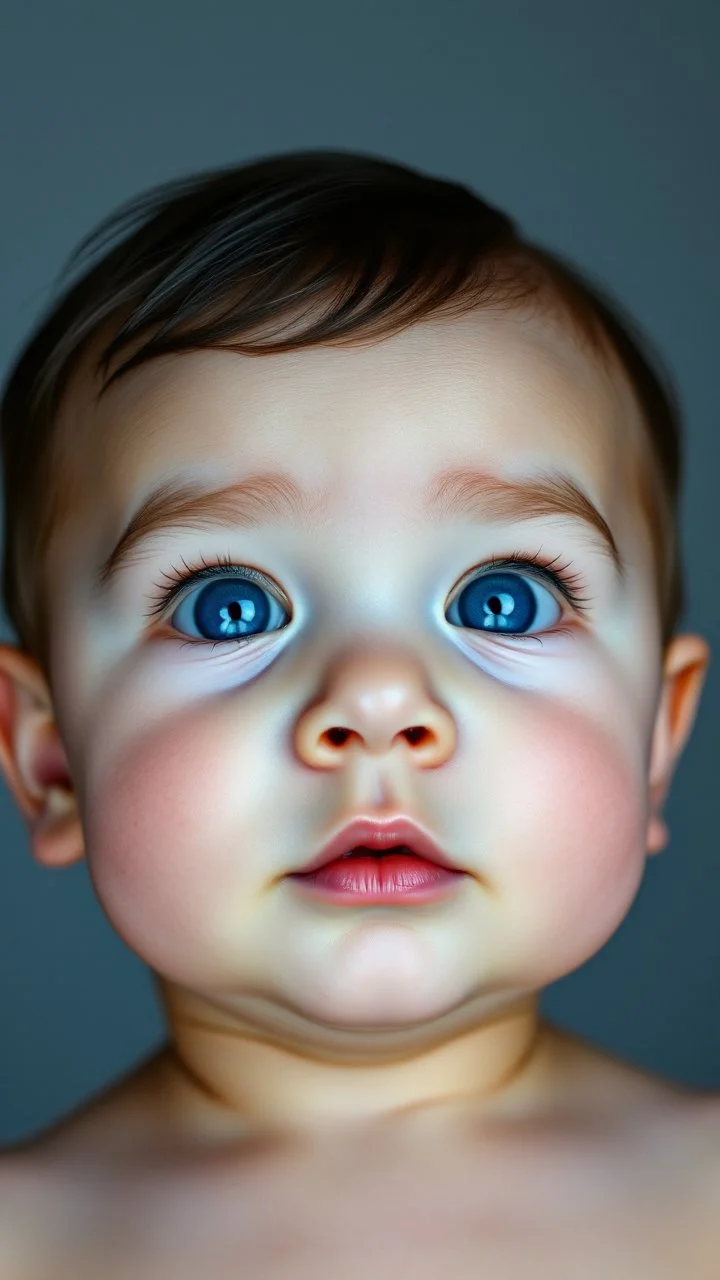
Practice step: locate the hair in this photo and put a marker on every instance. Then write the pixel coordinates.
(293, 251)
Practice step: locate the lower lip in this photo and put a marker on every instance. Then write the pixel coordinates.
(379, 881)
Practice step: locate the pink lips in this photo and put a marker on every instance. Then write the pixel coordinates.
(375, 833)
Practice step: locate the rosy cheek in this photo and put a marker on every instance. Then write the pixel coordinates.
(555, 814)
(168, 827)
(573, 832)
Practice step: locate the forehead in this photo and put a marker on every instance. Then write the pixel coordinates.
(363, 422)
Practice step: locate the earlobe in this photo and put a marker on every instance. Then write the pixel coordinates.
(658, 834)
(34, 763)
(56, 833)
(684, 671)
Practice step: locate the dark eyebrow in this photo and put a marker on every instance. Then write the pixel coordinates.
(459, 492)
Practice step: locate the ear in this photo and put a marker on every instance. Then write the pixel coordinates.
(684, 670)
(34, 762)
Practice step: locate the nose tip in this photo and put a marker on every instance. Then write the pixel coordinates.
(376, 699)
(326, 746)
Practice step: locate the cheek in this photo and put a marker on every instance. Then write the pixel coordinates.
(168, 830)
(556, 811)
(574, 827)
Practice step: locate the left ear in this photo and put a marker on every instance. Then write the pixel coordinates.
(684, 670)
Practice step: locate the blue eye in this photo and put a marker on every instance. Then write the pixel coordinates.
(504, 603)
(236, 607)
(227, 608)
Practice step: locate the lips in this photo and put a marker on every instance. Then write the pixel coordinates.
(378, 834)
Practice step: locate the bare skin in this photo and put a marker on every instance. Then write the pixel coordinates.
(595, 1166)
(351, 1091)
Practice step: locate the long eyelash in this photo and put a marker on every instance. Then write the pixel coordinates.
(193, 573)
(567, 583)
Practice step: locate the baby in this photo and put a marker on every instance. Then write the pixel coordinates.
(341, 547)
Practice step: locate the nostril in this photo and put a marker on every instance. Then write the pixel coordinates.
(338, 736)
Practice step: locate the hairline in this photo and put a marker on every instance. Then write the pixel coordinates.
(530, 287)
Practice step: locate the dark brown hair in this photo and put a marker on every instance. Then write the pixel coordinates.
(297, 250)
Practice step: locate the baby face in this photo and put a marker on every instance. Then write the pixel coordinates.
(195, 738)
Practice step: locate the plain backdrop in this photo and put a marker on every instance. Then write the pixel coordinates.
(595, 126)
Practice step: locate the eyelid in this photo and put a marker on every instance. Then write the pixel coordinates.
(184, 583)
(555, 579)
(535, 566)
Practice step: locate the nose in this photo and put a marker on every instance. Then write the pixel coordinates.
(372, 702)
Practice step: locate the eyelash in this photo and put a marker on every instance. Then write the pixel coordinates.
(567, 583)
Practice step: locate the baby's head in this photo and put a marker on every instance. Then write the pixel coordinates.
(314, 250)
(445, 477)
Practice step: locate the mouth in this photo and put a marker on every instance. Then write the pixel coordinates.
(364, 851)
(378, 838)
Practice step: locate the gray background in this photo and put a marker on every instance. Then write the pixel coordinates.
(595, 125)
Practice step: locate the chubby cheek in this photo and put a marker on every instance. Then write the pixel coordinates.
(571, 803)
(168, 834)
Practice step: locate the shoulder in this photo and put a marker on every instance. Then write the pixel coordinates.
(52, 1221)
(695, 1124)
(594, 1078)
(685, 1154)
(636, 1152)
(122, 1116)
(637, 1116)
(26, 1214)
(52, 1183)
(58, 1195)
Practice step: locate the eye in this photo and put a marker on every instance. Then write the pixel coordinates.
(506, 603)
(228, 608)
(236, 604)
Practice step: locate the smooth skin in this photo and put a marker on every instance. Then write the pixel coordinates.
(194, 777)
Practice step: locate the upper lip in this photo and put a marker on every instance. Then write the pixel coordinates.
(377, 833)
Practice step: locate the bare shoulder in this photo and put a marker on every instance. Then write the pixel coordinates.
(47, 1207)
(602, 1084)
(655, 1194)
(121, 1114)
(58, 1181)
(661, 1129)
(622, 1145)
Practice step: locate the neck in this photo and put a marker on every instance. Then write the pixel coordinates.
(226, 1077)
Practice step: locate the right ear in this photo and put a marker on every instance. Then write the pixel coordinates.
(33, 760)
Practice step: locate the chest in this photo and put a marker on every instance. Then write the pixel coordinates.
(372, 1216)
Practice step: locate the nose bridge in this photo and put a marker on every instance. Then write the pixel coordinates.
(377, 696)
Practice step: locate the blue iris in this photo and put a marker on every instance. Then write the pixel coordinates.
(231, 607)
(497, 602)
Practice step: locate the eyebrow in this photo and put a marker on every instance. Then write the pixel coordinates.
(269, 496)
